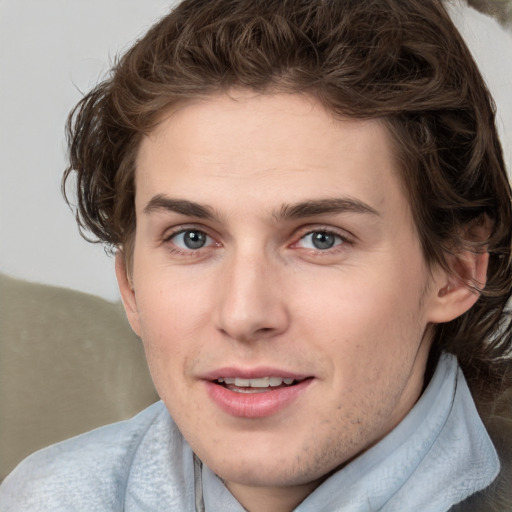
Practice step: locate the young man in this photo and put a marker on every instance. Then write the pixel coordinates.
(312, 226)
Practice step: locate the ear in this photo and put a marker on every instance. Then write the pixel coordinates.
(456, 290)
(127, 293)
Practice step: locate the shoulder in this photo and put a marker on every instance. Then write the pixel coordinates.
(88, 472)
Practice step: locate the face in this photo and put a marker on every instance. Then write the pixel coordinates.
(278, 285)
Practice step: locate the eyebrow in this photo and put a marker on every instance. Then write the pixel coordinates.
(324, 206)
(303, 209)
(180, 206)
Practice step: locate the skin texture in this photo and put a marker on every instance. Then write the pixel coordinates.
(260, 294)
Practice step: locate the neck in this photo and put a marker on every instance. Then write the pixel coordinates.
(277, 499)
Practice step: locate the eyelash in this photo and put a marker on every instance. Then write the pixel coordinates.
(341, 241)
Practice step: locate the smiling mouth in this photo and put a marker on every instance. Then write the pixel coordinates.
(254, 394)
(260, 385)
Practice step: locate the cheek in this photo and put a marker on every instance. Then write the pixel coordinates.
(361, 307)
(367, 327)
(169, 323)
(170, 303)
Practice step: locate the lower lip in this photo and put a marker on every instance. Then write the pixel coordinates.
(255, 405)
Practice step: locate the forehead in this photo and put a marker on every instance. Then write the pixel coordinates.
(266, 149)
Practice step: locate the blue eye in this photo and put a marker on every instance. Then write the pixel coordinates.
(191, 239)
(321, 240)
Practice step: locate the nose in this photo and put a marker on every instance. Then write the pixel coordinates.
(251, 303)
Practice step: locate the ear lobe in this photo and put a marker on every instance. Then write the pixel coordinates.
(458, 290)
(127, 293)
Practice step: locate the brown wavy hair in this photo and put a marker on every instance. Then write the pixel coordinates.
(400, 61)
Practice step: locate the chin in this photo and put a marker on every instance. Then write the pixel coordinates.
(268, 466)
(269, 475)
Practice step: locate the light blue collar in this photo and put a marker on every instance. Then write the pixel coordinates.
(436, 457)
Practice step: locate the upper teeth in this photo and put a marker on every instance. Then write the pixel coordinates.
(264, 382)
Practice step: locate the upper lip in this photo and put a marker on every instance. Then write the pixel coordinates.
(252, 373)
